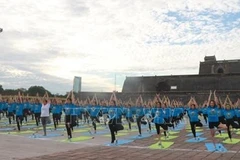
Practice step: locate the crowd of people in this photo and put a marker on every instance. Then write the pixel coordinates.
(162, 112)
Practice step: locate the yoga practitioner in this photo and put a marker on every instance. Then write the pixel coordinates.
(213, 118)
(193, 113)
(229, 115)
(45, 113)
(160, 122)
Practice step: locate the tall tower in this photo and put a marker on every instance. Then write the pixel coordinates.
(77, 84)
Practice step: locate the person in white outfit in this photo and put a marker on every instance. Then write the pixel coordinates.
(45, 115)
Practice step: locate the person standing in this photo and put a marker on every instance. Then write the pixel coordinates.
(45, 114)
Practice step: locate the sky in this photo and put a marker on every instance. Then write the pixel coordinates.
(47, 43)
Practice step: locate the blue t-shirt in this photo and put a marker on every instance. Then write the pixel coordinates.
(37, 108)
(229, 113)
(159, 117)
(10, 108)
(139, 112)
(69, 109)
(237, 112)
(213, 114)
(55, 109)
(128, 112)
(193, 115)
(94, 111)
(220, 112)
(104, 110)
(176, 112)
(167, 112)
(19, 110)
(205, 110)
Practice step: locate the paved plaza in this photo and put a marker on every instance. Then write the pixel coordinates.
(29, 144)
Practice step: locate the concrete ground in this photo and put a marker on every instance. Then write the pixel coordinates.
(23, 146)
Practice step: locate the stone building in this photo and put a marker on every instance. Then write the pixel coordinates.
(222, 75)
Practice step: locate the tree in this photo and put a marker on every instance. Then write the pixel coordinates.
(1, 89)
(33, 90)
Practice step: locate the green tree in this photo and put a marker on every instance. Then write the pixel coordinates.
(1, 89)
(33, 90)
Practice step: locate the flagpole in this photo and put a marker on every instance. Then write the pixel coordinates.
(115, 82)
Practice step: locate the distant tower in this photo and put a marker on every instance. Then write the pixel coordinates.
(77, 84)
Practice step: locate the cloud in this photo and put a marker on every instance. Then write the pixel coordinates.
(49, 42)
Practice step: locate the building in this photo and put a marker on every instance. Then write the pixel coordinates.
(223, 75)
(77, 84)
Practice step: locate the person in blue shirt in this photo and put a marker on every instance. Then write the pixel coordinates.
(19, 114)
(148, 116)
(37, 111)
(104, 110)
(229, 116)
(94, 114)
(114, 122)
(237, 113)
(167, 115)
(70, 117)
(1, 109)
(129, 116)
(204, 112)
(139, 118)
(10, 107)
(213, 119)
(193, 118)
(25, 110)
(159, 121)
(55, 113)
(111, 123)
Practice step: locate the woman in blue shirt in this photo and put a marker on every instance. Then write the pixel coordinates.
(237, 113)
(193, 113)
(94, 115)
(37, 111)
(139, 117)
(229, 116)
(160, 122)
(129, 116)
(11, 108)
(19, 114)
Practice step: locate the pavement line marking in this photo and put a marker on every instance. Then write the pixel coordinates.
(176, 149)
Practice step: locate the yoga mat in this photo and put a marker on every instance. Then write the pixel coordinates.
(188, 127)
(49, 135)
(197, 134)
(119, 142)
(94, 134)
(29, 126)
(81, 130)
(219, 147)
(6, 129)
(223, 135)
(77, 139)
(171, 132)
(133, 130)
(197, 130)
(234, 141)
(193, 140)
(169, 138)
(21, 132)
(165, 145)
(140, 137)
(118, 134)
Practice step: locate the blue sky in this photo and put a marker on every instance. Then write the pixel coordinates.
(49, 42)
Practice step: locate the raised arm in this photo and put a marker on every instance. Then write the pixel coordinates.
(209, 98)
